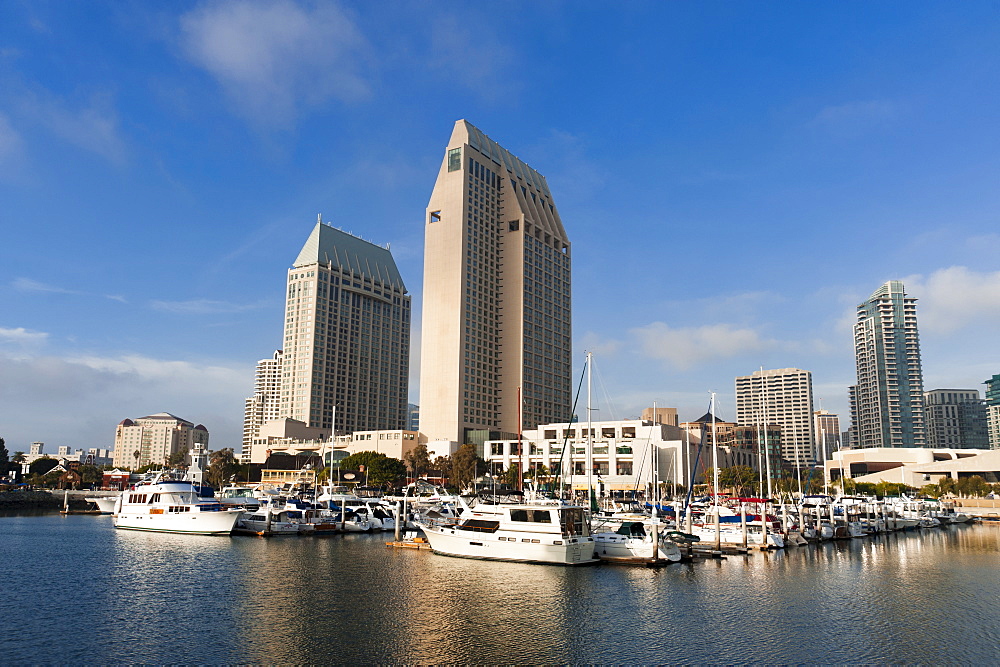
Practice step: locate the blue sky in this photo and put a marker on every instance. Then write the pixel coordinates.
(735, 178)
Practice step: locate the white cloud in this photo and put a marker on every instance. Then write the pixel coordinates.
(22, 336)
(687, 347)
(78, 400)
(272, 58)
(202, 307)
(29, 285)
(955, 298)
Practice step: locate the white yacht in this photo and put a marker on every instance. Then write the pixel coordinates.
(528, 533)
(172, 506)
(635, 542)
(267, 521)
(104, 504)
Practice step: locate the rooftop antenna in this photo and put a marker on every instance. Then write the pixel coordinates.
(319, 218)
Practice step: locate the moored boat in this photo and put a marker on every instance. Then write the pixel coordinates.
(172, 506)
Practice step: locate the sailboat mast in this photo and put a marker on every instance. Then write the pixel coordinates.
(767, 449)
(715, 478)
(590, 439)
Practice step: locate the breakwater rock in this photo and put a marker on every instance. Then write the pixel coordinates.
(29, 500)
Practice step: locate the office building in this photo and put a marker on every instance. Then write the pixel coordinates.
(956, 419)
(993, 410)
(496, 327)
(265, 403)
(827, 430)
(154, 439)
(783, 397)
(887, 403)
(346, 352)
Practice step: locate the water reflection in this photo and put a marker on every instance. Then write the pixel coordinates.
(909, 597)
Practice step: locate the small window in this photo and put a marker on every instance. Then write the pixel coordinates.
(514, 225)
(435, 216)
(454, 159)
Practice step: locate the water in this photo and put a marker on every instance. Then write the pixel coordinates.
(77, 591)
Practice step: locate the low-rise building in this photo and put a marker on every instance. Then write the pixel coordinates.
(913, 466)
(154, 439)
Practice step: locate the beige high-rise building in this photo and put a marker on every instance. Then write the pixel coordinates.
(783, 397)
(265, 404)
(496, 326)
(155, 438)
(347, 336)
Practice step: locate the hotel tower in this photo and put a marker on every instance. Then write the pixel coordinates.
(887, 403)
(495, 348)
(346, 352)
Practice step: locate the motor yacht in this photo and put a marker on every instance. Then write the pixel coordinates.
(172, 506)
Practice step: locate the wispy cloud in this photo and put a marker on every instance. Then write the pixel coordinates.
(273, 59)
(29, 285)
(852, 118)
(203, 307)
(10, 140)
(472, 57)
(687, 347)
(92, 126)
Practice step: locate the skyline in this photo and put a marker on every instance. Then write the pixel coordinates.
(735, 180)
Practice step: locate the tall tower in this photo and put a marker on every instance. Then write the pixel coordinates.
(347, 336)
(783, 397)
(887, 403)
(265, 404)
(496, 298)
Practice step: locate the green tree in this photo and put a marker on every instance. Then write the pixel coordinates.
(178, 458)
(511, 475)
(379, 469)
(90, 475)
(4, 457)
(222, 466)
(946, 485)
(974, 486)
(42, 466)
(738, 479)
(464, 466)
(417, 460)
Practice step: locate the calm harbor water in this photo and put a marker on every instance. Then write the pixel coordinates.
(77, 591)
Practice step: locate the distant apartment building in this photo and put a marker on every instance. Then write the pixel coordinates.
(412, 417)
(827, 431)
(887, 403)
(956, 419)
(154, 438)
(265, 404)
(784, 397)
(740, 444)
(993, 410)
(660, 415)
(496, 329)
(345, 359)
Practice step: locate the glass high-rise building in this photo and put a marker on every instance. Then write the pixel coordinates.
(887, 403)
(347, 336)
(496, 327)
(993, 410)
(956, 419)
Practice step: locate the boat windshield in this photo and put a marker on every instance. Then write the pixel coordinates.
(572, 521)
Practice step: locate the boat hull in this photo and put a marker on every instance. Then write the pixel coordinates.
(196, 523)
(489, 546)
(614, 548)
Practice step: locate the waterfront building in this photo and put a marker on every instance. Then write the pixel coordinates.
(827, 431)
(265, 404)
(616, 456)
(913, 466)
(784, 397)
(284, 434)
(956, 418)
(347, 336)
(495, 349)
(154, 438)
(887, 403)
(993, 410)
